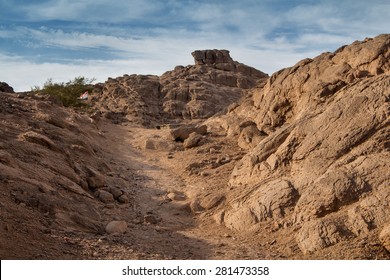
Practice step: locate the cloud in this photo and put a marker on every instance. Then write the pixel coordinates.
(23, 75)
(89, 10)
(99, 38)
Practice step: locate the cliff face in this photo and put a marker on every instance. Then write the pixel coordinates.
(322, 167)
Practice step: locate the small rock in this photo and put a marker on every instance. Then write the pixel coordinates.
(106, 197)
(182, 133)
(193, 140)
(95, 180)
(114, 227)
(116, 192)
(123, 199)
(150, 219)
(211, 201)
(175, 196)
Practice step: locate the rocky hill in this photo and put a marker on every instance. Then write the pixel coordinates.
(320, 161)
(192, 92)
(210, 161)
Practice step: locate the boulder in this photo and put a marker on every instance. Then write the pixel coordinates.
(269, 201)
(193, 140)
(183, 132)
(116, 227)
(316, 235)
(212, 57)
(106, 197)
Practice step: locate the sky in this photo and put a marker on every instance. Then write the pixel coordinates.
(63, 39)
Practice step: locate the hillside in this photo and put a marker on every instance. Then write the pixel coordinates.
(215, 160)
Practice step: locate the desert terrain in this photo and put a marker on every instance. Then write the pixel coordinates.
(215, 160)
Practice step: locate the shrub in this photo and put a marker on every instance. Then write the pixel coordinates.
(68, 93)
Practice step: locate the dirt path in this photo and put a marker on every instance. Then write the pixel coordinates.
(167, 227)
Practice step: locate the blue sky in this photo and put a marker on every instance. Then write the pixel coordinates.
(61, 39)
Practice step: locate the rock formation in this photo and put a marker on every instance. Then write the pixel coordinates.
(192, 92)
(327, 121)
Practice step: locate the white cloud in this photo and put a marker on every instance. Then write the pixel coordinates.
(154, 36)
(90, 10)
(23, 75)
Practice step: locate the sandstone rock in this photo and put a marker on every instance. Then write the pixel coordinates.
(384, 237)
(250, 136)
(325, 120)
(183, 132)
(106, 197)
(155, 143)
(212, 200)
(212, 57)
(328, 193)
(370, 213)
(116, 227)
(316, 235)
(269, 201)
(193, 140)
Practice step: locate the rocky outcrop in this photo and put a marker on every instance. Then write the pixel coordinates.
(192, 92)
(327, 121)
(130, 97)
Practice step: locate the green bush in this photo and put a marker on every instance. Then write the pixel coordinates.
(68, 93)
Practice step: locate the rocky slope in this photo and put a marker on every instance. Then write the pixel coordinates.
(322, 164)
(53, 176)
(293, 166)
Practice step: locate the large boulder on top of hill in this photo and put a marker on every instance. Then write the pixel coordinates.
(212, 57)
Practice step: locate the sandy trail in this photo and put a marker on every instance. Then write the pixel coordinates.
(174, 231)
